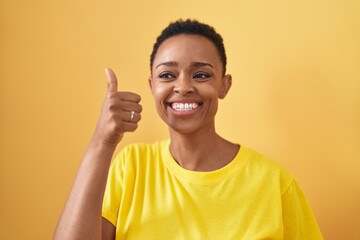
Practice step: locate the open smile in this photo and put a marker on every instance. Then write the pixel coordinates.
(184, 106)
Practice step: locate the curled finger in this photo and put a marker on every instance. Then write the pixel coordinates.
(134, 117)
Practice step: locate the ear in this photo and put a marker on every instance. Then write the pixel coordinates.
(226, 83)
(151, 84)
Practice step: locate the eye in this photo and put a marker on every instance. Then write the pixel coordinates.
(166, 76)
(202, 76)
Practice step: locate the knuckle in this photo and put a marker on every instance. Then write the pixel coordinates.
(111, 105)
(113, 125)
(133, 128)
(140, 108)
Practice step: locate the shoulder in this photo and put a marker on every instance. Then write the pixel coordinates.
(141, 148)
(135, 152)
(264, 167)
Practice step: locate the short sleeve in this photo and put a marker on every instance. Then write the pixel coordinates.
(298, 219)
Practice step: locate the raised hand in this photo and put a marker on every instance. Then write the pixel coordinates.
(120, 112)
(81, 217)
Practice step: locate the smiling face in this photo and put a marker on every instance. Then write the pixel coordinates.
(187, 81)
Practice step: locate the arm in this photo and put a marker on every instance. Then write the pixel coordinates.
(81, 217)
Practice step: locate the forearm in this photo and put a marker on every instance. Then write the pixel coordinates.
(81, 217)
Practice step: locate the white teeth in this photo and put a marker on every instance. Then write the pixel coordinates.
(184, 106)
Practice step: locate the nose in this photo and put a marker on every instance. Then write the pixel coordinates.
(183, 85)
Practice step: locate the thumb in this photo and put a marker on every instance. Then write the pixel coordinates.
(111, 81)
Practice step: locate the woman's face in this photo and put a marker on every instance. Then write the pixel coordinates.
(187, 81)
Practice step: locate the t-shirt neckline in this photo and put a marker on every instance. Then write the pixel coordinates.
(204, 177)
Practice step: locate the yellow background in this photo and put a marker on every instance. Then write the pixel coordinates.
(295, 95)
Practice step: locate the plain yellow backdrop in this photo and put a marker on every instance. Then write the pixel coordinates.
(295, 95)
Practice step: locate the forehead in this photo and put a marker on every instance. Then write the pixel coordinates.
(186, 48)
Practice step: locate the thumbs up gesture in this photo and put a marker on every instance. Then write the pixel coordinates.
(120, 112)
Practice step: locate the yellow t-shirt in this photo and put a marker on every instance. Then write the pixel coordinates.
(149, 196)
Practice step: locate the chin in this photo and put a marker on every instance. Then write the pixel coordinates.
(189, 128)
(183, 128)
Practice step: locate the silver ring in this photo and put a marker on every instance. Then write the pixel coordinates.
(132, 116)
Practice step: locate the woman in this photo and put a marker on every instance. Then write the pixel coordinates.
(196, 185)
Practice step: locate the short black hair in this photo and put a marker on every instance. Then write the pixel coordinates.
(191, 27)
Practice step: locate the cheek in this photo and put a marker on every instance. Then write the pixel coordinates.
(160, 92)
(209, 91)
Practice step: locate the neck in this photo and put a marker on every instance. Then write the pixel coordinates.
(205, 151)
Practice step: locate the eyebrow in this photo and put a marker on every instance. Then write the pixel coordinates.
(201, 64)
(175, 64)
(170, 64)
